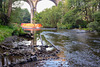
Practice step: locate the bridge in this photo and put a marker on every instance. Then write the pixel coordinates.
(33, 4)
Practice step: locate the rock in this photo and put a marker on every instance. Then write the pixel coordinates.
(8, 42)
(30, 35)
(34, 58)
(11, 65)
(23, 62)
(6, 53)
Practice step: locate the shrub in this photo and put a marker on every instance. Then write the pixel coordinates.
(94, 26)
(4, 20)
(97, 16)
(5, 31)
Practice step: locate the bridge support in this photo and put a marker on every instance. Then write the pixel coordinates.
(33, 4)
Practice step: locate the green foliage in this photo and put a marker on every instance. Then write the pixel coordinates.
(61, 26)
(94, 26)
(5, 31)
(69, 19)
(10, 25)
(49, 17)
(0, 21)
(96, 16)
(68, 14)
(0, 5)
(19, 16)
(4, 20)
(17, 30)
(72, 14)
(80, 23)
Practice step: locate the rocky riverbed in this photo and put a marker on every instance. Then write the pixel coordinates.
(77, 49)
(17, 46)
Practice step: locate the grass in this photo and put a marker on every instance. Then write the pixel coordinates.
(5, 32)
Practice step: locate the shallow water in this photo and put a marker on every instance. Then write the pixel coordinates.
(77, 48)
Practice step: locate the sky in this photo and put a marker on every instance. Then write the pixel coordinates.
(41, 5)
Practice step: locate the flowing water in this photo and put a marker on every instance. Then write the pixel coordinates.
(78, 48)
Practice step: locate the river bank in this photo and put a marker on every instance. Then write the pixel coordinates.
(19, 50)
(5, 31)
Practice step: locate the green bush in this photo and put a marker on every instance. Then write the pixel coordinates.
(80, 23)
(61, 26)
(17, 30)
(0, 21)
(4, 20)
(5, 31)
(97, 16)
(69, 17)
(94, 26)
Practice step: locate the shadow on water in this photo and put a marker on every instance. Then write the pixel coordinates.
(78, 48)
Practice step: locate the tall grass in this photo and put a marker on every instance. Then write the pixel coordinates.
(12, 29)
(5, 31)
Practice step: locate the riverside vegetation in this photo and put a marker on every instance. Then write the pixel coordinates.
(6, 31)
(11, 18)
(82, 14)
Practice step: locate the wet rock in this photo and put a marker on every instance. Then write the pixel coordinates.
(5, 66)
(6, 53)
(27, 35)
(12, 65)
(25, 51)
(8, 42)
(29, 60)
(33, 58)
(22, 61)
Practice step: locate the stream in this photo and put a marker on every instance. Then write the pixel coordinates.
(78, 48)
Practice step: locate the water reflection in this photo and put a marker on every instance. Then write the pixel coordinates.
(37, 40)
(44, 44)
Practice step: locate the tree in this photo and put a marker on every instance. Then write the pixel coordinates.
(9, 8)
(0, 5)
(19, 16)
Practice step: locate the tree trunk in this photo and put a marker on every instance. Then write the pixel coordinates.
(4, 6)
(9, 8)
(0, 5)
